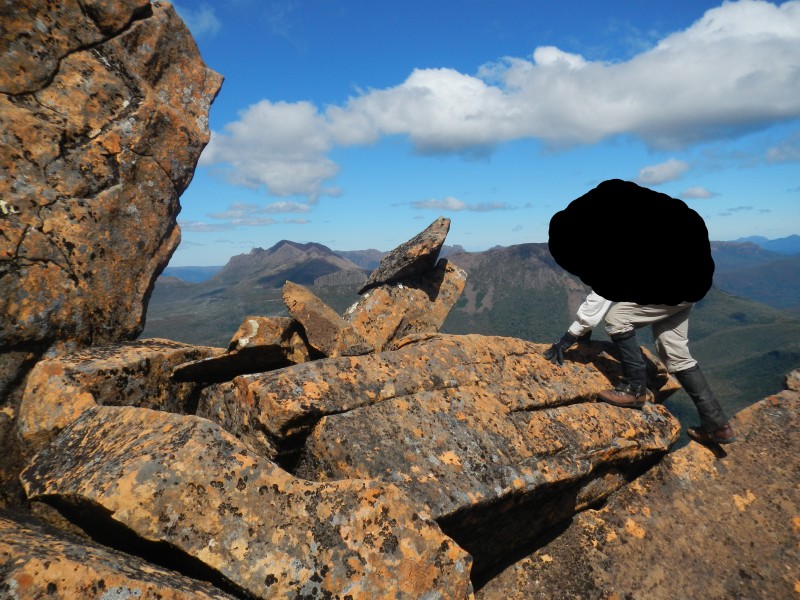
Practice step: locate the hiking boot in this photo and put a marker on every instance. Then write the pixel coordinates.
(625, 395)
(712, 417)
(723, 435)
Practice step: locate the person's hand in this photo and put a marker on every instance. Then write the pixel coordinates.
(555, 353)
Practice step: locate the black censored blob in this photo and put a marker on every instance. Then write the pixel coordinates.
(631, 244)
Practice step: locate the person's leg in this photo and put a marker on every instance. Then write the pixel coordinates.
(672, 345)
(621, 322)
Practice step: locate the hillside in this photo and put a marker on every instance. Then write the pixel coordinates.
(776, 282)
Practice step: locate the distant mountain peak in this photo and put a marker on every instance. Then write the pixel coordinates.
(785, 245)
(298, 246)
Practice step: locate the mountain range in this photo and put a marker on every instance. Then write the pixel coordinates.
(745, 344)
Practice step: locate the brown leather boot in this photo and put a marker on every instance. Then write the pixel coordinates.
(723, 435)
(626, 395)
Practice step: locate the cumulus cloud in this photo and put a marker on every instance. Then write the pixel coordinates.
(734, 70)
(697, 192)
(662, 172)
(450, 203)
(279, 145)
(202, 21)
(241, 214)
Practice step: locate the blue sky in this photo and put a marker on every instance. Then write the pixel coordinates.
(356, 123)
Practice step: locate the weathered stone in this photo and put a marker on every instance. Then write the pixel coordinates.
(103, 115)
(289, 402)
(496, 460)
(418, 304)
(327, 333)
(40, 562)
(260, 344)
(703, 523)
(186, 482)
(417, 255)
(59, 389)
(215, 406)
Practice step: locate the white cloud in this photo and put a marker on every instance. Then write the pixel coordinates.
(202, 21)
(734, 70)
(279, 145)
(286, 207)
(199, 226)
(249, 215)
(697, 192)
(663, 172)
(454, 204)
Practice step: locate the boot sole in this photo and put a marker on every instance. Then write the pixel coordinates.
(622, 404)
(710, 440)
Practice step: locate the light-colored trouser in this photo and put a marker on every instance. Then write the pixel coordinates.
(670, 329)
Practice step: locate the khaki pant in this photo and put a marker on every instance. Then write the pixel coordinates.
(670, 329)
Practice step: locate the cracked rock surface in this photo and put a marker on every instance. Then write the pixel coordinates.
(483, 433)
(42, 562)
(103, 115)
(188, 483)
(706, 522)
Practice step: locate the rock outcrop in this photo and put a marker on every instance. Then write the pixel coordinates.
(414, 305)
(484, 434)
(103, 113)
(703, 523)
(186, 482)
(138, 374)
(417, 255)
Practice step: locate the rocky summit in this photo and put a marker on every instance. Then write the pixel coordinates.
(361, 455)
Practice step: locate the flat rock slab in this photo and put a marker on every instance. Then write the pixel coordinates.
(59, 389)
(513, 372)
(483, 433)
(706, 522)
(418, 305)
(327, 333)
(417, 255)
(184, 481)
(260, 344)
(37, 561)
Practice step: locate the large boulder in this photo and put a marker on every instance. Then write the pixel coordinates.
(103, 115)
(42, 562)
(414, 305)
(484, 434)
(185, 482)
(139, 374)
(703, 523)
(417, 255)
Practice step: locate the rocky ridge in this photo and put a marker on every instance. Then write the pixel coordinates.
(247, 481)
(354, 455)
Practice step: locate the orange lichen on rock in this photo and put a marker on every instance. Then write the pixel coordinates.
(198, 489)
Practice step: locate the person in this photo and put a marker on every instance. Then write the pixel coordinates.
(670, 331)
(589, 315)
